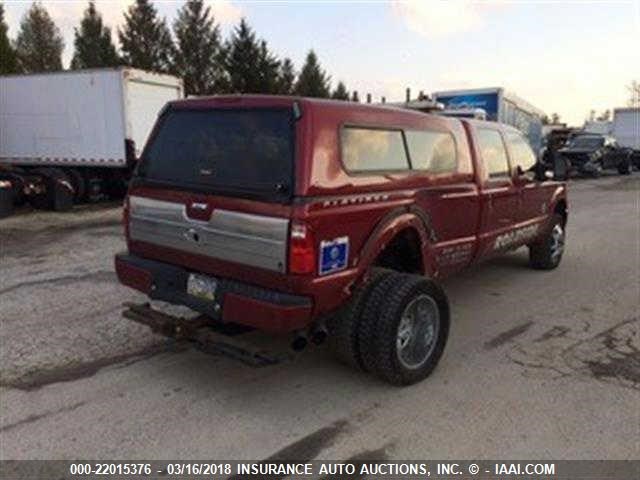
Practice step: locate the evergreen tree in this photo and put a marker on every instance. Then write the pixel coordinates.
(354, 96)
(340, 93)
(39, 43)
(286, 77)
(249, 65)
(145, 39)
(93, 45)
(197, 56)
(8, 60)
(313, 81)
(269, 68)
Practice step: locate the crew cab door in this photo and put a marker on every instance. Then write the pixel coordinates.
(498, 194)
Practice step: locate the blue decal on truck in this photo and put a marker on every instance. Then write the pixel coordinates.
(334, 255)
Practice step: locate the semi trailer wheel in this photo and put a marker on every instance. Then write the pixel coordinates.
(409, 331)
(78, 182)
(16, 176)
(547, 252)
(59, 192)
(6, 198)
(344, 327)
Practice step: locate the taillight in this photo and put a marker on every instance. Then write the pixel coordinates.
(302, 249)
(125, 217)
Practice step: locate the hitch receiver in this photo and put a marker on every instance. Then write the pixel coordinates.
(200, 332)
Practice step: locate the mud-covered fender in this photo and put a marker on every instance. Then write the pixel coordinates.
(389, 226)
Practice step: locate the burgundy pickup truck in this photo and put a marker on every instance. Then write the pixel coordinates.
(315, 218)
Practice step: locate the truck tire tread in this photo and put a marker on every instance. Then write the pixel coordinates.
(540, 252)
(387, 365)
(368, 324)
(344, 326)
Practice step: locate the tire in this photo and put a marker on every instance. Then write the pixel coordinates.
(368, 323)
(17, 184)
(78, 183)
(59, 190)
(546, 254)
(624, 168)
(416, 306)
(344, 327)
(6, 198)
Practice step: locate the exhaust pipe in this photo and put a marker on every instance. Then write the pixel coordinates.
(319, 335)
(299, 342)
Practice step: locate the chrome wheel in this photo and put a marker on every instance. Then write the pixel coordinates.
(417, 332)
(557, 242)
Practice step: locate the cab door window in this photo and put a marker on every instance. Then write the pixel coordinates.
(521, 154)
(493, 152)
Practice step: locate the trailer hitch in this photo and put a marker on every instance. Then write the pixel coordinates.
(201, 332)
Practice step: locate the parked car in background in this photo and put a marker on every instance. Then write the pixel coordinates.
(555, 139)
(590, 154)
(313, 218)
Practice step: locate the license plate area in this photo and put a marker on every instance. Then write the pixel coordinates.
(202, 287)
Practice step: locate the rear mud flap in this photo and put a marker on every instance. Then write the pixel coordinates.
(201, 331)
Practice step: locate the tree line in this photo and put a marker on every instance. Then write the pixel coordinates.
(193, 49)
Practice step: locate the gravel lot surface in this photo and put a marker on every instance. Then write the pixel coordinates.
(538, 365)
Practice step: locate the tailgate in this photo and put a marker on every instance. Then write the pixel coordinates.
(197, 227)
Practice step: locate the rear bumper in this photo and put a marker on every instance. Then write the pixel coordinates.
(235, 302)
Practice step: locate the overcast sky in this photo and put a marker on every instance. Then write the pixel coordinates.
(563, 56)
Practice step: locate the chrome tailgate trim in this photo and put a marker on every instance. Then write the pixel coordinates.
(254, 240)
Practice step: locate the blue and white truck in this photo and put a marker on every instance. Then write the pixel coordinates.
(499, 105)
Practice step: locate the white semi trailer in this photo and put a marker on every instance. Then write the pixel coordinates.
(626, 131)
(626, 127)
(75, 135)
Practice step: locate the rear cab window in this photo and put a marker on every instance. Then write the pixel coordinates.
(244, 152)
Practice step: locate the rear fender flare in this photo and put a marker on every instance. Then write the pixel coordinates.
(388, 227)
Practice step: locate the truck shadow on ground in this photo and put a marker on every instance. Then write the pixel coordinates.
(277, 347)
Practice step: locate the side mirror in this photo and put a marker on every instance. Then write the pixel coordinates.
(525, 175)
(544, 172)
